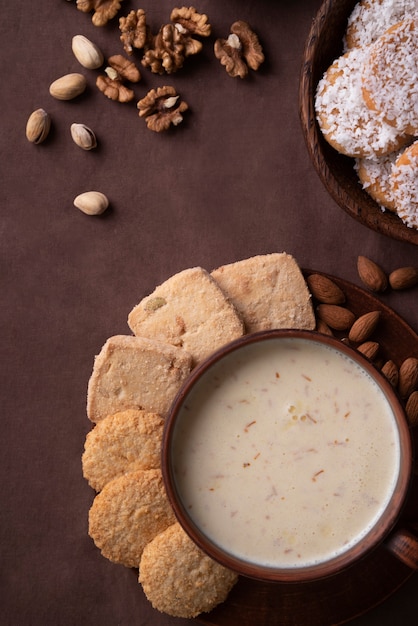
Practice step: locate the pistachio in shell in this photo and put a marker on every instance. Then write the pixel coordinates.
(87, 53)
(68, 87)
(91, 202)
(83, 136)
(38, 126)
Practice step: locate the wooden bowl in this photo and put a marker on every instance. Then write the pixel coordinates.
(194, 434)
(323, 46)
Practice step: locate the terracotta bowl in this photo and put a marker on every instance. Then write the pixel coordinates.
(190, 452)
(323, 46)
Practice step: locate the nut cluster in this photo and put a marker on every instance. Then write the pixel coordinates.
(69, 87)
(163, 52)
(335, 318)
(166, 51)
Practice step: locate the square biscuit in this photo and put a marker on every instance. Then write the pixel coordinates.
(188, 310)
(268, 291)
(135, 373)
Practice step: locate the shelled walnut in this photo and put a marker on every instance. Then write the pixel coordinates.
(118, 71)
(135, 32)
(190, 21)
(167, 51)
(242, 50)
(104, 10)
(162, 107)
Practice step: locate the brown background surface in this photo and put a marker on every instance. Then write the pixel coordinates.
(234, 180)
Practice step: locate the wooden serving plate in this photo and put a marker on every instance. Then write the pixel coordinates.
(323, 46)
(345, 596)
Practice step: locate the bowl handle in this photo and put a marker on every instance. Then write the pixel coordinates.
(403, 544)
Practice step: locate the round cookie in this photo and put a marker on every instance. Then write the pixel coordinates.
(120, 443)
(127, 514)
(346, 122)
(375, 177)
(389, 76)
(371, 18)
(179, 579)
(405, 185)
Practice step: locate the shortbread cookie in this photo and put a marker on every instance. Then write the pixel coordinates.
(405, 185)
(389, 76)
(188, 310)
(179, 579)
(345, 120)
(135, 373)
(371, 18)
(268, 291)
(129, 512)
(375, 177)
(122, 443)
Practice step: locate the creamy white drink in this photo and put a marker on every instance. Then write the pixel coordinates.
(286, 453)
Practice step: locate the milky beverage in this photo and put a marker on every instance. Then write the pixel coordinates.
(287, 458)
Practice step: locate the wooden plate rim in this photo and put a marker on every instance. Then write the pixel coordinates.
(334, 169)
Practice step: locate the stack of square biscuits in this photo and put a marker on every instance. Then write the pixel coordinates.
(134, 381)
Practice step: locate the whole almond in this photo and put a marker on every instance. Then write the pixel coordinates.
(68, 87)
(38, 126)
(86, 52)
(369, 349)
(408, 377)
(403, 278)
(390, 370)
(364, 326)
(91, 202)
(325, 290)
(371, 274)
(337, 317)
(323, 328)
(412, 409)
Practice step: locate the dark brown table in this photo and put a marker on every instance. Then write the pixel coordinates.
(232, 181)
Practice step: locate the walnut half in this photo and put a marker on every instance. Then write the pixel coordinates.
(166, 51)
(118, 71)
(242, 50)
(190, 21)
(162, 107)
(104, 10)
(134, 31)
